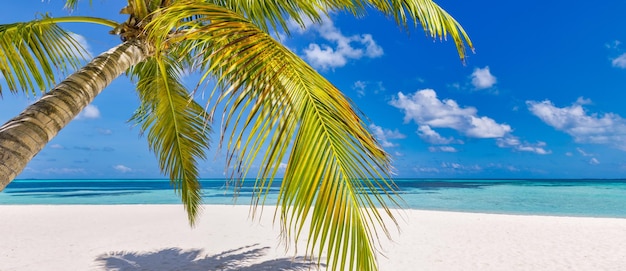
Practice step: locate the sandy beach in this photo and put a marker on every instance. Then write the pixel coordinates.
(158, 237)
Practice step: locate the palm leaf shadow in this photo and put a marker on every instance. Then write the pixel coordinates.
(170, 259)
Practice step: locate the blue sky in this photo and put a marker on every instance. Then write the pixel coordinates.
(541, 97)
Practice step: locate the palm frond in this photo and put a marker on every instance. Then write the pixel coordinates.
(278, 106)
(31, 53)
(435, 21)
(177, 126)
(72, 4)
(273, 15)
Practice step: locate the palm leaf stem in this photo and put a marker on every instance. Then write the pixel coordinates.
(69, 19)
(84, 19)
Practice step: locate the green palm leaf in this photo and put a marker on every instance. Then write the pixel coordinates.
(31, 53)
(177, 127)
(435, 21)
(278, 111)
(72, 4)
(272, 94)
(274, 14)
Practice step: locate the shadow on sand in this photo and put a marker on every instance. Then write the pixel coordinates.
(170, 259)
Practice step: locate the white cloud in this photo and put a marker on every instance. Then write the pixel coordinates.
(583, 101)
(424, 108)
(324, 57)
(514, 142)
(482, 78)
(620, 61)
(89, 112)
(608, 128)
(339, 48)
(442, 149)
(384, 135)
(359, 86)
(592, 160)
(431, 136)
(582, 152)
(485, 127)
(613, 45)
(122, 168)
(372, 50)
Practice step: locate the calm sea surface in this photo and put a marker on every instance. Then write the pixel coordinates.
(596, 198)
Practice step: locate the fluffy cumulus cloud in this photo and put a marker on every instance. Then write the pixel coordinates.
(425, 109)
(338, 48)
(620, 61)
(89, 112)
(431, 136)
(584, 127)
(384, 135)
(482, 78)
(514, 142)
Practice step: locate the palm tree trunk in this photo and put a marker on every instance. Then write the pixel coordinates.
(22, 137)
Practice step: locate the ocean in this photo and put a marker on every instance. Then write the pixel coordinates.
(590, 198)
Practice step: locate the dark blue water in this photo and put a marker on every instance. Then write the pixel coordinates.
(596, 198)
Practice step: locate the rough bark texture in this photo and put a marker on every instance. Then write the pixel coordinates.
(22, 137)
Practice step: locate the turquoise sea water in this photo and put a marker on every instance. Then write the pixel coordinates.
(595, 198)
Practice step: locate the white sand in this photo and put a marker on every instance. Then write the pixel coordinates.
(157, 237)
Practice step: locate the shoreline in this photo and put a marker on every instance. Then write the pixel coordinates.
(155, 236)
(392, 208)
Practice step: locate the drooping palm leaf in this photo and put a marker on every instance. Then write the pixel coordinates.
(277, 108)
(32, 53)
(435, 21)
(274, 15)
(176, 126)
(274, 97)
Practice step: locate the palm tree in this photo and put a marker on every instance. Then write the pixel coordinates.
(276, 106)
